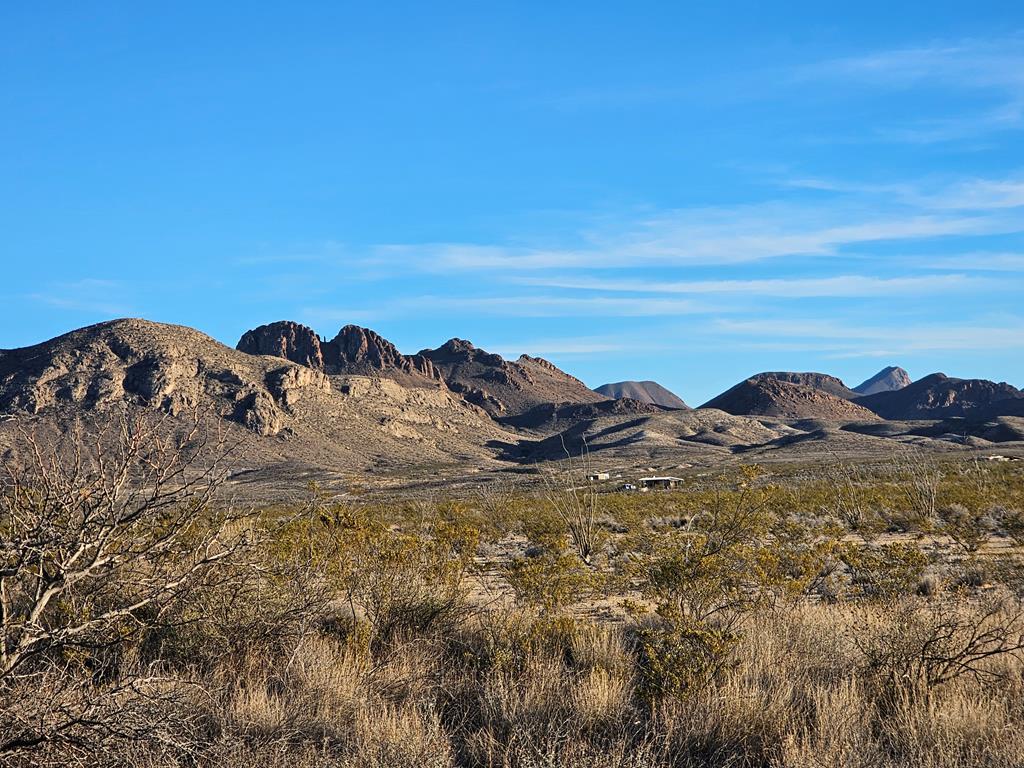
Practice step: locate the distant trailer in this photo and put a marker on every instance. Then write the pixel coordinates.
(659, 483)
(595, 476)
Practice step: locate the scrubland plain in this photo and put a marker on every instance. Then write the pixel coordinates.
(812, 615)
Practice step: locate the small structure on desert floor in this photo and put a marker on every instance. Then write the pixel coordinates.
(659, 483)
(595, 476)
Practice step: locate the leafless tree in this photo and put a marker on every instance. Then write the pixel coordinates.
(575, 501)
(98, 538)
(930, 643)
(920, 480)
(846, 483)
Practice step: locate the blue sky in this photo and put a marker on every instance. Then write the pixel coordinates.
(677, 191)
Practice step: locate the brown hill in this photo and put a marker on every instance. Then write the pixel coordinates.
(820, 381)
(939, 397)
(552, 417)
(768, 395)
(277, 409)
(503, 387)
(354, 351)
(644, 391)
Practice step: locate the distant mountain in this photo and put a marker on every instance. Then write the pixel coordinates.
(354, 351)
(886, 380)
(275, 409)
(644, 391)
(503, 387)
(296, 408)
(939, 397)
(773, 395)
(551, 417)
(820, 381)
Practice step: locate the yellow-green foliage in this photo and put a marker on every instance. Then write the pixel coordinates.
(375, 634)
(885, 570)
(551, 580)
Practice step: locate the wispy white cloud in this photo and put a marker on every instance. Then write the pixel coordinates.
(840, 286)
(855, 340)
(709, 237)
(981, 261)
(516, 306)
(572, 345)
(857, 214)
(87, 295)
(973, 62)
(993, 66)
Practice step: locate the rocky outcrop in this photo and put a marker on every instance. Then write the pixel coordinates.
(643, 391)
(768, 395)
(360, 350)
(886, 380)
(286, 339)
(820, 381)
(166, 367)
(354, 351)
(529, 362)
(939, 397)
(502, 387)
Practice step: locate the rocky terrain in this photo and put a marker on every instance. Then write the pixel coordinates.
(354, 350)
(503, 387)
(886, 380)
(553, 417)
(280, 414)
(821, 382)
(939, 397)
(354, 410)
(643, 391)
(791, 396)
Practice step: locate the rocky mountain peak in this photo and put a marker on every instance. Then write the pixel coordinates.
(773, 395)
(525, 359)
(888, 379)
(458, 346)
(355, 350)
(502, 387)
(822, 382)
(137, 363)
(461, 351)
(355, 344)
(938, 396)
(286, 339)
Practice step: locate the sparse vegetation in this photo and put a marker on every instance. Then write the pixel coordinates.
(750, 619)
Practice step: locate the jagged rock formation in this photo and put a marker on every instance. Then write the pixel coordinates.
(769, 395)
(293, 421)
(886, 380)
(276, 409)
(820, 381)
(168, 367)
(286, 339)
(644, 391)
(502, 387)
(940, 397)
(354, 351)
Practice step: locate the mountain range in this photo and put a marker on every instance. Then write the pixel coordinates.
(355, 403)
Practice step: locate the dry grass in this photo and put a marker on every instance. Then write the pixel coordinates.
(797, 693)
(392, 664)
